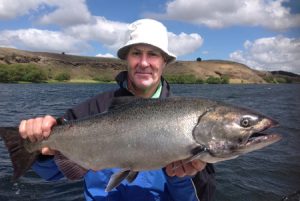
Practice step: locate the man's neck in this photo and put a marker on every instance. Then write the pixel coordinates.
(145, 93)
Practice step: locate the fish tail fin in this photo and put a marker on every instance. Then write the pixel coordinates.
(21, 159)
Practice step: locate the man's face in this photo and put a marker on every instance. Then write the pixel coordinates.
(145, 66)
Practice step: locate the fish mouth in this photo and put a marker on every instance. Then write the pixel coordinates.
(262, 138)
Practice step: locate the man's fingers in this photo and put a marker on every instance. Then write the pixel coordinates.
(22, 129)
(30, 130)
(198, 165)
(37, 128)
(47, 151)
(170, 170)
(189, 169)
(47, 124)
(180, 170)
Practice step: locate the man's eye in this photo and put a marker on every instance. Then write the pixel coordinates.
(135, 53)
(153, 54)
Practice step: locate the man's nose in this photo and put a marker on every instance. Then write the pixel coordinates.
(144, 61)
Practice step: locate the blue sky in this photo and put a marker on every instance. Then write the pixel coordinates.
(263, 34)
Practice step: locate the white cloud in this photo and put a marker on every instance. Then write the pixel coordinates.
(14, 8)
(217, 14)
(107, 55)
(109, 33)
(183, 43)
(59, 12)
(66, 13)
(42, 40)
(273, 53)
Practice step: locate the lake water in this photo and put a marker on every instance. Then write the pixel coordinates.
(265, 175)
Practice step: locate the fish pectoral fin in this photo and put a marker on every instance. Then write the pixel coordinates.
(197, 152)
(116, 179)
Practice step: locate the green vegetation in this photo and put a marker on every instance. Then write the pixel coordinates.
(217, 80)
(183, 79)
(269, 79)
(103, 78)
(277, 80)
(192, 79)
(64, 76)
(21, 73)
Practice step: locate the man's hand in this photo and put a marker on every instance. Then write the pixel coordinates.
(187, 169)
(38, 129)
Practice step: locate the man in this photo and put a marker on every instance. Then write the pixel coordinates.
(147, 54)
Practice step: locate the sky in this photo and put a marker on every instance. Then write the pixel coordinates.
(263, 34)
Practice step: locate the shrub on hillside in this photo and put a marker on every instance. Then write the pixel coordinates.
(21, 72)
(224, 79)
(64, 76)
(103, 78)
(183, 79)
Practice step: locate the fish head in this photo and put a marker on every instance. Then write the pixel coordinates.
(227, 132)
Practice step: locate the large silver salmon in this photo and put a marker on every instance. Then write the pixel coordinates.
(143, 134)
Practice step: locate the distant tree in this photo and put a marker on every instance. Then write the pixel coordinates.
(199, 59)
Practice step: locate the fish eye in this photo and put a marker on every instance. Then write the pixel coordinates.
(245, 122)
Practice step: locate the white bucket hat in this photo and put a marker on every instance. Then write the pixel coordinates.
(147, 31)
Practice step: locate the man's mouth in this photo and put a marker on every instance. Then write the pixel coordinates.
(143, 72)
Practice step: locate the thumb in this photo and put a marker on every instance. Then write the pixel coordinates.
(47, 151)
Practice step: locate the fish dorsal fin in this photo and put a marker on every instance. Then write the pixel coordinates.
(118, 177)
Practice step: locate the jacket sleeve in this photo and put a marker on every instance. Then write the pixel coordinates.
(205, 183)
(46, 168)
(200, 187)
(181, 188)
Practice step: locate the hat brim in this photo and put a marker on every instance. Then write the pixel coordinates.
(123, 51)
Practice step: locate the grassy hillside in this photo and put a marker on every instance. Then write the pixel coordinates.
(61, 67)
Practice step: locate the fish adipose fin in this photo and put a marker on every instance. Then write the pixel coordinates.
(118, 177)
(70, 169)
(21, 159)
